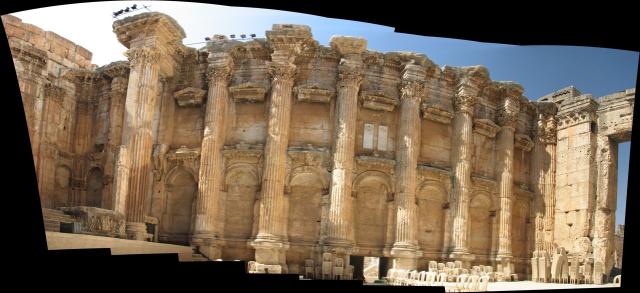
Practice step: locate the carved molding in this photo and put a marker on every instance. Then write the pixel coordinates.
(412, 89)
(364, 163)
(313, 94)
(281, 71)
(436, 114)
(248, 92)
(185, 157)
(189, 97)
(251, 154)
(523, 142)
(485, 127)
(378, 101)
(143, 55)
(30, 55)
(464, 103)
(220, 73)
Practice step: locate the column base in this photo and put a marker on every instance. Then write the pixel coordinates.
(136, 231)
(271, 252)
(405, 256)
(462, 255)
(504, 270)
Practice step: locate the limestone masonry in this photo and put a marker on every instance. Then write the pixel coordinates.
(281, 151)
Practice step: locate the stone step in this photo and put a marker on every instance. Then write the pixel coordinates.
(198, 257)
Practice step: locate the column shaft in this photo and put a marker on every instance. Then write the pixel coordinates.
(271, 203)
(340, 204)
(211, 159)
(140, 105)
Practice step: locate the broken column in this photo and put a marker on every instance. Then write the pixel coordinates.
(605, 208)
(152, 39)
(405, 248)
(287, 41)
(339, 236)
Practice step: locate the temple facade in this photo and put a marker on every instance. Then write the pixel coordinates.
(278, 150)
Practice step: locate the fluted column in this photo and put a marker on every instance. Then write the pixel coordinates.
(152, 39)
(275, 151)
(543, 172)
(605, 210)
(507, 118)
(141, 99)
(350, 76)
(211, 159)
(270, 243)
(406, 244)
(461, 160)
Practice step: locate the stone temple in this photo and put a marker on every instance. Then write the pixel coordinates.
(281, 150)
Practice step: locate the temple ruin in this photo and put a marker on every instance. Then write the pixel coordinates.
(281, 150)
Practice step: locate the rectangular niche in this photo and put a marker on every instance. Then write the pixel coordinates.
(367, 142)
(382, 138)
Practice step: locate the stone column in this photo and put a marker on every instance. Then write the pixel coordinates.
(211, 159)
(543, 166)
(141, 99)
(287, 41)
(507, 118)
(461, 157)
(412, 90)
(152, 39)
(605, 209)
(350, 76)
(118, 72)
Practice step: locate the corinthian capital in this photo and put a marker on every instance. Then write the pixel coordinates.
(464, 103)
(350, 73)
(282, 71)
(507, 118)
(142, 55)
(219, 74)
(412, 89)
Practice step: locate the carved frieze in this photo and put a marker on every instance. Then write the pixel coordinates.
(364, 163)
(186, 157)
(244, 153)
(30, 55)
(189, 97)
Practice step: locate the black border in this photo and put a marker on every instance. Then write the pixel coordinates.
(607, 25)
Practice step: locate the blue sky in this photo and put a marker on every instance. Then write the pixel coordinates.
(540, 69)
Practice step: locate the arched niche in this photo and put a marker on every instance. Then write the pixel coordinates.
(241, 184)
(431, 198)
(373, 192)
(177, 221)
(62, 188)
(519, 217)
(305, 206)
(480, 224)
(95, 186)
